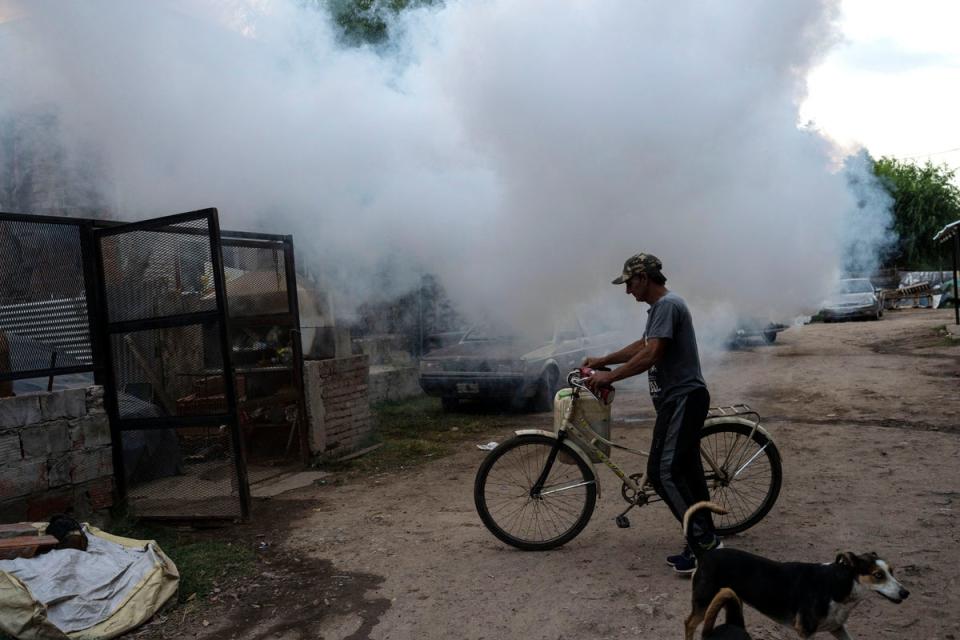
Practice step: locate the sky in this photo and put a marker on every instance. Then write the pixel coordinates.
(893, 83)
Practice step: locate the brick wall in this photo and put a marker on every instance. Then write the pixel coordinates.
(338, 406)
(55, 455)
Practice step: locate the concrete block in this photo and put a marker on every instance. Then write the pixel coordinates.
(99, 493)
(13, 510)
(95, 399)
(10, 449)
(75, 401)
(43, 439)
(90, 431)
(58, 470)
(19, 411)
(69, 403)
(43, 506)
(91, 464)
(23, 477)
(53, 405)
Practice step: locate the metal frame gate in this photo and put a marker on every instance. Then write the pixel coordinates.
(144, 309)
(164, 333)
(263, 300)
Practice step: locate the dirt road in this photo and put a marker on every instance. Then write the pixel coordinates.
(865, 415)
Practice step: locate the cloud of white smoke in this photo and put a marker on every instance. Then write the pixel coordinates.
(520, 151)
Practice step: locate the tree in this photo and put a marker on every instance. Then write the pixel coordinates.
(365, 21)
(415, 315)
(925, 199)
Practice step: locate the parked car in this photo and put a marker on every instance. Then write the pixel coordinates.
(491, 364)
(752, 328)
(852, 298)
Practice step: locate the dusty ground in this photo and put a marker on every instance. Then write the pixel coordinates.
(865, 415)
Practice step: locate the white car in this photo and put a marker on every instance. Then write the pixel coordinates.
(490, 364)
(852, 298)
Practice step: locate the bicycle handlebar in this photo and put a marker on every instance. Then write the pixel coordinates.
(577, 378)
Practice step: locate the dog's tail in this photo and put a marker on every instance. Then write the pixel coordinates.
(699, 506)
(727, 600)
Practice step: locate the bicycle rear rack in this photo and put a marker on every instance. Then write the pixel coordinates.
(738, 410)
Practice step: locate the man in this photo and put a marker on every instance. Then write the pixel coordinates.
(668, 353)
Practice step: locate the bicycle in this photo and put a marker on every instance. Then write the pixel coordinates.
(537, 490)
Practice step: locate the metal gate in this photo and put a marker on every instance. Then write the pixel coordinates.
(261, 287)
(170, 390)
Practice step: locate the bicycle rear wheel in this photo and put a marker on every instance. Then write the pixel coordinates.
(502, 493)
(750, 476)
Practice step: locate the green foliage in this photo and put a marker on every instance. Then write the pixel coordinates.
(925, 199)
(203, 561)
(415, 315)
(365, 21)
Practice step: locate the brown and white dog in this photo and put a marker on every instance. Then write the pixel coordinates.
(805, 596)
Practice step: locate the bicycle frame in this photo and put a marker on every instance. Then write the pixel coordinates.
(588, 439)
(591, 437)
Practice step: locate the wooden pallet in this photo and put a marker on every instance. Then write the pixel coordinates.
(918, 290)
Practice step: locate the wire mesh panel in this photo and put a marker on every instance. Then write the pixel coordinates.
(174, 370)
(264, 337)
(186, 472)
(154, 273)
(256, 279)
(44, 326)
(170, 377)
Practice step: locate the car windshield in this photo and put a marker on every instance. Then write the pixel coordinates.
(485, 332)
(488, 333)
(854, 286)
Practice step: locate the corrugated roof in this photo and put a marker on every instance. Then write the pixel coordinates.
(947, 232)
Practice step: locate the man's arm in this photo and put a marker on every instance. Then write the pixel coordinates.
(617, 357)
(649, 353)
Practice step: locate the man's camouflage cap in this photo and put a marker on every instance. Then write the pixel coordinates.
(640, 263)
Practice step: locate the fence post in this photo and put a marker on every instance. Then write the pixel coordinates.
(6, 386)
(956, 293)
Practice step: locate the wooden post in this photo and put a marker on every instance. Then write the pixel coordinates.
(956, 293)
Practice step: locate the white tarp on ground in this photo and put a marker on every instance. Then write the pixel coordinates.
(113, 586)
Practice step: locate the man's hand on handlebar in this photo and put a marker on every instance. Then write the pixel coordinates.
(592, 363)
(599, 379)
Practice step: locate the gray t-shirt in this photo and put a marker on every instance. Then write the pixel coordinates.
(678, 372)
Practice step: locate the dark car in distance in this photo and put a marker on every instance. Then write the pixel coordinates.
(491, 364)
(751, 328)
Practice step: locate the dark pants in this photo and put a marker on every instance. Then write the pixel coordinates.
(674, 466)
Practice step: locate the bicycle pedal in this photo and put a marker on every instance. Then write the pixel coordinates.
(623, 522)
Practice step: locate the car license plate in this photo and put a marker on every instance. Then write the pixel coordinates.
(468, 387)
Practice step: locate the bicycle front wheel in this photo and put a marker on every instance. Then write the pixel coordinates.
(502, 493)
(749, 478)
